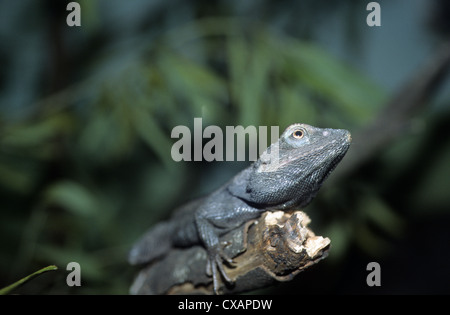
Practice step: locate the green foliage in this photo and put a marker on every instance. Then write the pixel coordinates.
(84, 176)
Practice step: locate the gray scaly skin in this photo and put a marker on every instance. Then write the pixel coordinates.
(284, 181)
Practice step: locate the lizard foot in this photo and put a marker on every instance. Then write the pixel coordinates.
(216, 257)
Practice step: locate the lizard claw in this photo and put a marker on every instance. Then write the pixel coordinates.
(214, 265)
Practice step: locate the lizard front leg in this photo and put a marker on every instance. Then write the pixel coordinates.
(216, 255)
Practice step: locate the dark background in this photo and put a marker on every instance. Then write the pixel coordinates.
(86, 115)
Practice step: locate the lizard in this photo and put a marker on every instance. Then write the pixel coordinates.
(288, 180)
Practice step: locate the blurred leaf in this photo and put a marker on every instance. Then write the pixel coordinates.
(186, 78)
(357, 96)
(17, 176)
(72, 197)
(89, 11)
(339, 234)
(36, 133)
(369, 241)
(382, 215)
(432, 193)
(151, 133)
(106, 135)
(249, 65)
(295, 105)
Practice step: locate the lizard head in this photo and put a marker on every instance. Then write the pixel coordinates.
(291, 171)
(304, 147)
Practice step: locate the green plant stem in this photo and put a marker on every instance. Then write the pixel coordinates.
(16, 284)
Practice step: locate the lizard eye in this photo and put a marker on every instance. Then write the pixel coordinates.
(298, 134)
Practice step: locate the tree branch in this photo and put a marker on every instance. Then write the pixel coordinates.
(397, 117)
(274, 248)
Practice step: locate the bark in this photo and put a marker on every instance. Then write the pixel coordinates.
(274, 248)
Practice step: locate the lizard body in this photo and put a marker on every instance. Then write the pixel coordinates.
(285, 181)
